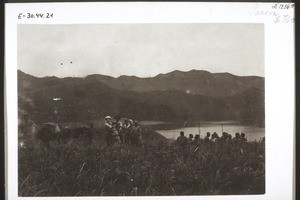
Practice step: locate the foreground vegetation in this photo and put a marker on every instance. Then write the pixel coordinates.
(159, 167)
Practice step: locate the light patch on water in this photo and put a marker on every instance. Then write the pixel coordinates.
(149, 123)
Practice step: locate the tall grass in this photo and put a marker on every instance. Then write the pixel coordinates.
(158, 167)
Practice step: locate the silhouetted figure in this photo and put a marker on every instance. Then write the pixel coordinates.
(126, 131)
(206, 139)
(136, 134)
(197, 139)
(214, 137)
(229, 138)
(118, 127)
(115, 134)
(182, 140)
(190, 139)
(237, 138)
(224, 136)
(243, 138)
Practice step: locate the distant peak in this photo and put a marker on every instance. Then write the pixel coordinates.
(192, 72)
(198, 71)
(176, 71)
(98, 76)
(128, 76)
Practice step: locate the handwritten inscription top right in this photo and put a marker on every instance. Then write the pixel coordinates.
(279, 12)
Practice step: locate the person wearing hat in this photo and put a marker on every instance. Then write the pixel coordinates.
(109, 130)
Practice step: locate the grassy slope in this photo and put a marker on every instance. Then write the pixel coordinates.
(157, 168)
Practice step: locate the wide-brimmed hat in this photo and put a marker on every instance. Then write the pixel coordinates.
(108, 117)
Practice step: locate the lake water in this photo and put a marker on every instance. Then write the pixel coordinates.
(171, 130)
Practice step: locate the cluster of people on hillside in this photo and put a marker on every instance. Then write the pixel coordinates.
(128, 132)
(182, 140)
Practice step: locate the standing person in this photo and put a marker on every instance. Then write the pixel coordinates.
(229, 138)
(118, 127)
(27, 130)
(115, 134)
(130, 137)
(197, 140)
(206, 139)
(109, 130)
(182, 140)
(243, 138)
(136, 134)
(224, 136)
(237, 138)
(126, 130)
(190, 139)
(214, 137)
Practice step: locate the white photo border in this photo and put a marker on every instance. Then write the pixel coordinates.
(279, 72)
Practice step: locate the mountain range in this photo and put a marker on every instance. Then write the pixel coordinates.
(192, 95)
(195, 82)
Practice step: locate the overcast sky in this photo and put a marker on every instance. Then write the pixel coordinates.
(140, 49)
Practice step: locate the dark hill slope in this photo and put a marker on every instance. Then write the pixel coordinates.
(194, 82)
(85, 99)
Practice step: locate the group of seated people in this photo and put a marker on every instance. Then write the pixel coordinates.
(126, 132)
(226, 137)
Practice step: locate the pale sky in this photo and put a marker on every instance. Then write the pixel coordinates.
(140, 49)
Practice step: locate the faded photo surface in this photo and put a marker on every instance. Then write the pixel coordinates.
(141, 109)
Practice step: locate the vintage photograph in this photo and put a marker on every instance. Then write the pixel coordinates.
(141, 109)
